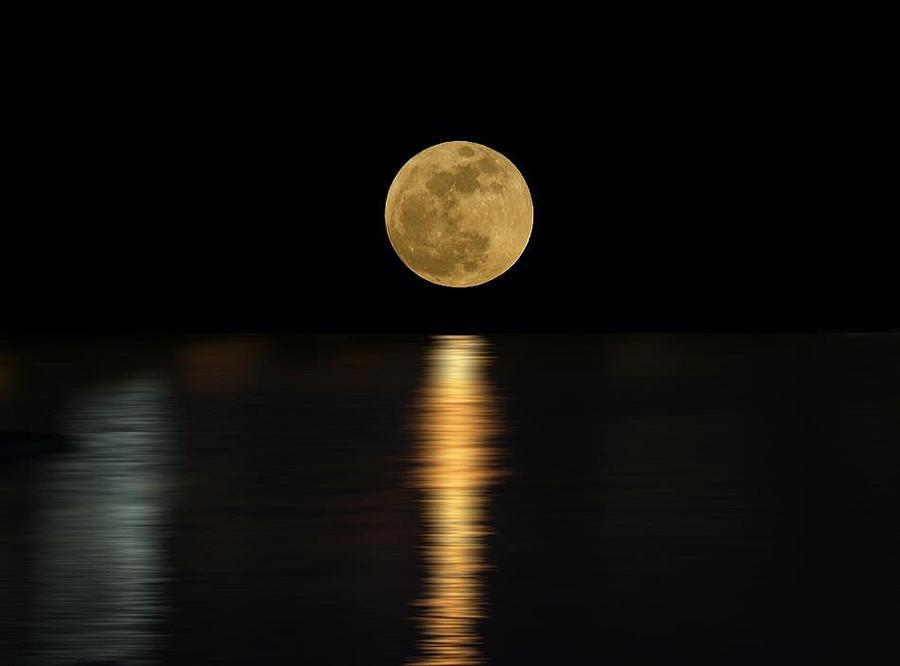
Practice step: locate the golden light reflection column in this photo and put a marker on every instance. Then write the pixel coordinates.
(455, 468)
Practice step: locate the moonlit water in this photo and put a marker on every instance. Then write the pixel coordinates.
(506, 500)
(456, 465)
(99, 550)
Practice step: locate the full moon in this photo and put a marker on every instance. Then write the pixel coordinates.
(458, 214)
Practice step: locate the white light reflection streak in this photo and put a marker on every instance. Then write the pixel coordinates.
(99, 561)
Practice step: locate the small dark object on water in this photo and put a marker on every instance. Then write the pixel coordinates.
(21, 445)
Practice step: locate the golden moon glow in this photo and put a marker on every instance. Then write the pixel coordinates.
(459, 214)
(456, 467)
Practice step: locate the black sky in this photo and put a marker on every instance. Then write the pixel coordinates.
(230, 190)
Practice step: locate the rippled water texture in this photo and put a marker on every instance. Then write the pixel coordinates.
(452, 500)
(456, 466)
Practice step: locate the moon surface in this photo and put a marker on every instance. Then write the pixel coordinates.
(459, 214)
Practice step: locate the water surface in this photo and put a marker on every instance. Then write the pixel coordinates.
(451, 500)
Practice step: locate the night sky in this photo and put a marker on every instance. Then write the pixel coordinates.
(223, 191)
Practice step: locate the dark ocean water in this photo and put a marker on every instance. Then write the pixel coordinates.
(451, 500)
